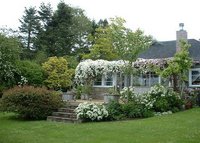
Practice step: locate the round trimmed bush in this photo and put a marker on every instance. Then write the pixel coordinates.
(30, 102)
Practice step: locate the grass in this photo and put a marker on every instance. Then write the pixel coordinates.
(182, 127)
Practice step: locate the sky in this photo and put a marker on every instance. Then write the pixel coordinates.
(159, 18)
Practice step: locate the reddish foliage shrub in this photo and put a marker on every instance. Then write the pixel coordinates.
(30, 102)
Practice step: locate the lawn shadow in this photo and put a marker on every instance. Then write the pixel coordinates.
(15, 117)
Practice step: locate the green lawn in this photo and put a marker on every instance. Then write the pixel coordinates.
(182, 127)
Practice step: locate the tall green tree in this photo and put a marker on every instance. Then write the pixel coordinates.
(102, 47)
(45, 14)
(29, 27)
(178, 67)
(66, 33)
(128, 44)
(81, 28)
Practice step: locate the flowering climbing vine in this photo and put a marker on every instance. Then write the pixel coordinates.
(89, 69)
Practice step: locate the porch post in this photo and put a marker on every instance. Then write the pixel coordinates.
(131, 80)
(115, 79)
(159, 79)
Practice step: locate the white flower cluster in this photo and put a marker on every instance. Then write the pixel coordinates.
(162, 113)
(143, 64)
(89, 69)
(91, 111)
(146, 100)
(22, 81)
(127, 93)
(158, 90)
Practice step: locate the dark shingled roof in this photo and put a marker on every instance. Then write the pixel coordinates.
(167, 49)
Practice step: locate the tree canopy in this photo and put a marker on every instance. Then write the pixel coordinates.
(9, 53)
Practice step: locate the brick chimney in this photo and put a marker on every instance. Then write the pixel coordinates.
(180, 35)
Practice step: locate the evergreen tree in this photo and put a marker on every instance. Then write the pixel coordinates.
(29, 27)
(81, 27)
(57, 38)
(66, 33)
(45, 14)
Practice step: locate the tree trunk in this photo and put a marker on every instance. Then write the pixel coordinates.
(175, 82)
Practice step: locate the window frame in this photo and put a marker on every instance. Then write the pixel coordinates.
(104, 81)
(145, 79)
(190, 77)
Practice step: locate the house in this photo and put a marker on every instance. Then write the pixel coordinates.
(108, 74)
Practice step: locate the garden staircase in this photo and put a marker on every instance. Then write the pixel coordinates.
(65, 114)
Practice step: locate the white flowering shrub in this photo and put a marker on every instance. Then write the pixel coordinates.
(91, 112)
(165, 99)
(157, 91)
(128, 95)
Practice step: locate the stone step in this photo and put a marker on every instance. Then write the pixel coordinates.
(70, 106)
(66, 110)
(64, 114)
(62, 119)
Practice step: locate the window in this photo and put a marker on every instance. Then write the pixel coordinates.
(108, 80)
(104, 80)
(147, 79)
(98, 81)
(194, 77)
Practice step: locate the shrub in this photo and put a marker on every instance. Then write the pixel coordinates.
(128, 95)
(165, 99)
(132, 110)
(31, 103)
(32, 71)
(59, 76)
(115, 111)
(192, 96)
(91, 112)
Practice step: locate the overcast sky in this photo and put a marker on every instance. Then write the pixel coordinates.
(159, 18)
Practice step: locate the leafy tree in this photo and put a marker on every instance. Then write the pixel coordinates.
(102, 47)
(29, 27)
(73, 61)
(9, 54)
(178, 67)
(128, 44)
(58, 74)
